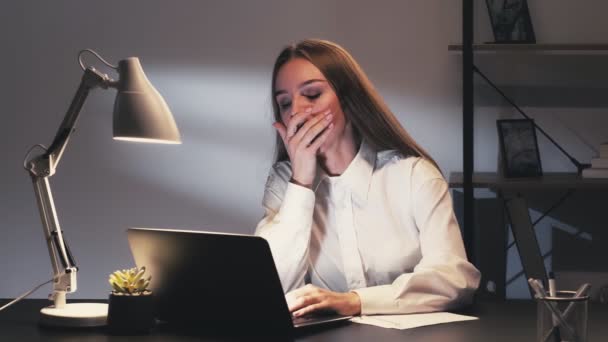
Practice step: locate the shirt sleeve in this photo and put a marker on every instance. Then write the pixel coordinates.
(443, 279)
(286, 225)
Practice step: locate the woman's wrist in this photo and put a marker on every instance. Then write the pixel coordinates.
(304, 184)
(354, 303)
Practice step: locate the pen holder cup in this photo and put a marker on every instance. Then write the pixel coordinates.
(562, 318)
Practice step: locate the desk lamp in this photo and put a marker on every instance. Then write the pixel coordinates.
(140, 114)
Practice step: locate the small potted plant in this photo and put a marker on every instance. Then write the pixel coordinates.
(131, 308)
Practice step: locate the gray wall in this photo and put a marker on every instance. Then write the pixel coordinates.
(212, 63)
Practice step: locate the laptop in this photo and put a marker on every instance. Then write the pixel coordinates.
(206, 279)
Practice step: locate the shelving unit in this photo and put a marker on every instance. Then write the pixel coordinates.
(468, 180)
(468, 49)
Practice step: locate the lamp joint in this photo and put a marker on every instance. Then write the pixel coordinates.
(93, 78)
(41, 166)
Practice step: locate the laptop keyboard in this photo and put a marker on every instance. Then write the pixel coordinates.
(304, 319)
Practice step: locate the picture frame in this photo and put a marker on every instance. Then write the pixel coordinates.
(519, 148)
(510, 20)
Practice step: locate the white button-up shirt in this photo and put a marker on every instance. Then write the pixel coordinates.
(385, 229)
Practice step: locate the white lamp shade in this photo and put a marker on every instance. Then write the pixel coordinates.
(140, 112)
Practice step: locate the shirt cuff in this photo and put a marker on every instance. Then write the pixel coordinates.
(377, 299)
(298, 203)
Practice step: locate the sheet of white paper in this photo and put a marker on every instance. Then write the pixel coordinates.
(412, 320)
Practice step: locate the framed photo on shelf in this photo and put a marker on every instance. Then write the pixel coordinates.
(511, 21)
(519, 148)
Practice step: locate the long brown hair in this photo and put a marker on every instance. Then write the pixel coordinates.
(371, 118)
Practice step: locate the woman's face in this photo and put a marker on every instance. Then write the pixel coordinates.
(301, 86)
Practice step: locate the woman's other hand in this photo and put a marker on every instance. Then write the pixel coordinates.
(310, 298)
(303, 135)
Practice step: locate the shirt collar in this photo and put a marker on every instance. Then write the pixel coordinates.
(358, 174)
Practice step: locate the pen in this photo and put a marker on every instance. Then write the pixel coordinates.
(553, 293)
(581, 292)
(537, 287)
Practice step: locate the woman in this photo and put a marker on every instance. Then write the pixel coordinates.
(353, 206)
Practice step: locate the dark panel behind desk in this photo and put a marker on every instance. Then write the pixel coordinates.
(585, 248)
(489, 242)
(579, 245)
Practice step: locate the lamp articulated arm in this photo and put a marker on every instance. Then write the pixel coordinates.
(41, 168)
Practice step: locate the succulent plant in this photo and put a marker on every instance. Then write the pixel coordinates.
(130, 282)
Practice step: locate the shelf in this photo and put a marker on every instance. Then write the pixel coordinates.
(550, 180)
(580, 48)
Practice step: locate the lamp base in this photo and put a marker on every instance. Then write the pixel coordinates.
(77, 315)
